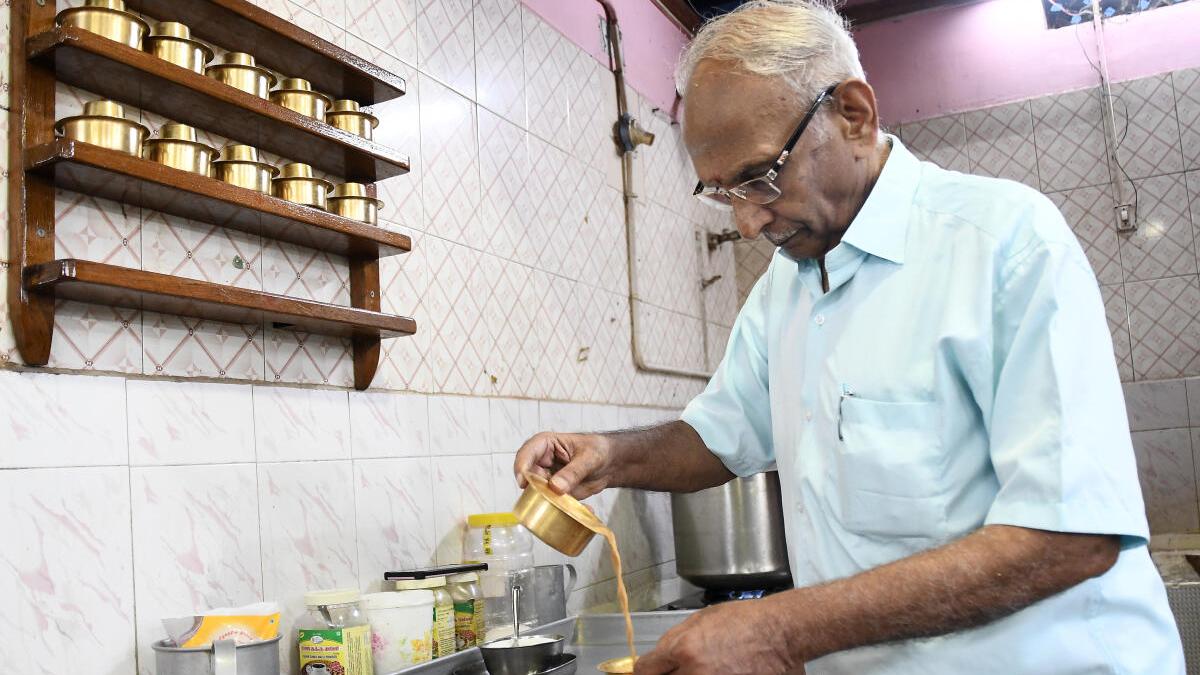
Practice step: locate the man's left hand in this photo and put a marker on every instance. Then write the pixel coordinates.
(735, 638)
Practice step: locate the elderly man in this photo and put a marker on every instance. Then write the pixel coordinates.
(926, 362)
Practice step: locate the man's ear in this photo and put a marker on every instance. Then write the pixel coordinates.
(858, 116)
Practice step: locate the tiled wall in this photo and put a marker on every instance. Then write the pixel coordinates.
(179, 464)
(1148, 278)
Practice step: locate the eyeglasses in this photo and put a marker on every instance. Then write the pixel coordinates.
(762, 189)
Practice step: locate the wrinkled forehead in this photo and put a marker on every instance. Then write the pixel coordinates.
(732, 117)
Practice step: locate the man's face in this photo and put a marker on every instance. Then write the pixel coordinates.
(734, 126)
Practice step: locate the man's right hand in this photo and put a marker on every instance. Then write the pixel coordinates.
(575, 464)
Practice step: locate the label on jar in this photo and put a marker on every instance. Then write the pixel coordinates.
(336, 651)
(468, 623)
(487, 539)
(443, 630)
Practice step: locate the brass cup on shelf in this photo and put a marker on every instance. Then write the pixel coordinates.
(238, 70)
(177, 147)
(103, 123)
(345, 115)
(107, 18)
(297, 184)
(297, 94)
(351, 200)
(240, 165)
(172, 41)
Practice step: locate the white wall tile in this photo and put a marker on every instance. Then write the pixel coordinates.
(458, 425)
(301, 424)
(66, 572)
(511, 422)
(190, 422)
(61, 420)
(1193, 398)
(506, 491)
(389, 424)
(196, 544)
(394, 515)
(1156, 404)
(463, 485)
(560, 416)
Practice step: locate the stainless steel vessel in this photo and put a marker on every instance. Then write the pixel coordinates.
(732, 537)
(223, 657)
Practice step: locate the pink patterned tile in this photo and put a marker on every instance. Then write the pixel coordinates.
(97, 229)
(324, 18)
(752, 258)
(304, 358)
(548, 58)
(1164, 321)
(400, 128)
(390, 25)
(606, 264)
(551, 185)
(664, 235)
(669, 339)
(1089, 213)
(503, 169)
(1117, 313)
(1186, 84)
(305, 273)
(446, 43)
(499, 65)
(1148, 126)
(1168, 479)
(195, 250)
(68, 578)
(394, 516)
(96, 337)
(1070, 141)
(1000, 143)
(450, 175)
(593, 112)
(942, 141)
(8, 341)
(1163, 244)
(190, 347)
(1192, 181)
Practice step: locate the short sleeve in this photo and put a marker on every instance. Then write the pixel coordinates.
(733, 413)
(1059, 436)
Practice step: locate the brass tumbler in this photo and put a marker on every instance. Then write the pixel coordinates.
(238, 70)
(345, 115)
(177, 147)
(107, 18)
(240, 165)
(297, 94)
(172, 41)
(103, 123)
(352, 201)
(296, 183)
(561, 521)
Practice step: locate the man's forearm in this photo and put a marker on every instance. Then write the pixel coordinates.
(669, 457)
(984, 576)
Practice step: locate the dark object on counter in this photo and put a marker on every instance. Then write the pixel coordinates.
(443, 571)
(731, 537)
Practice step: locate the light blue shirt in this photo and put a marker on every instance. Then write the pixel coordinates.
(958, 373)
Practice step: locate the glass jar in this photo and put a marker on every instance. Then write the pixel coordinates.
(334, 635)
(468, 609)
(443, 611)
(499, 540)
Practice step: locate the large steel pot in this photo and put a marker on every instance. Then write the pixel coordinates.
(732, 537)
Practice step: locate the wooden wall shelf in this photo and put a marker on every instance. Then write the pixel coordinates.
(106, 284)
(279, 45)
(41, 55)
(88, 61)
(101, 172)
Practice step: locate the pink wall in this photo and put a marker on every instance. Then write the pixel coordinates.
(650, 40)
(945, 61)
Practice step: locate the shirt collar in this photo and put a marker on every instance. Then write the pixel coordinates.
(881, 226)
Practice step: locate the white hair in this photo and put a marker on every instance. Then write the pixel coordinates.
(806, 43)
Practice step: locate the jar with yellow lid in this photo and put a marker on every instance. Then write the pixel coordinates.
(500, 540)
(335, 636)
(443, 611)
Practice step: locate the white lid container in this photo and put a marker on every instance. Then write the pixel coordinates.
(401, 628)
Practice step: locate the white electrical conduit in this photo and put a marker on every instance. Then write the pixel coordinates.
(616, 65)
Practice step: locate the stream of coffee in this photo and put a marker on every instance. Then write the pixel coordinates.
(622, 595)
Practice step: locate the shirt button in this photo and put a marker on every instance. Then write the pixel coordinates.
(820, 319)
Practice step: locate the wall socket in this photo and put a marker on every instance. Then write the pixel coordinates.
(1125, 218)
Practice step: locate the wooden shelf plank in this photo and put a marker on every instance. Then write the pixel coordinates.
(280, 45)
(101, 172)
(131, 76)
(106, 284)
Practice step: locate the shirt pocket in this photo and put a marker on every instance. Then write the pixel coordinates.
(891, 468)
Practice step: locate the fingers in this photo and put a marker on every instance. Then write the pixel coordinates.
(535, 456)
(576, 471)
(657, 662)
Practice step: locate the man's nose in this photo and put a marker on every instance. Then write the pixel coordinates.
(750, 218)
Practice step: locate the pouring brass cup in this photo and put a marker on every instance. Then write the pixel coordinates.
(171, 41)
(297, 184)
(561, 521)
(345, 115)
(621, 664)
(297, 94)
(177, 147)
(238, 70)
(103, 123)
(241, 165)
(351, 200)
(106, 18)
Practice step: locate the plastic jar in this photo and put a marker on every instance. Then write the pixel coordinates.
(443, 611)
(499, 540)
(468, 609)
(401, 628)
(335, 636)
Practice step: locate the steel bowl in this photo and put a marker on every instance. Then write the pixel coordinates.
(563, 664)
(176, 146)
(172, 41)
(351, 200)
(107, 18)
(242, 166)
(561, 521)
(238, 70)
(504, 658)
(297, 94)
(345, 115)
(103, 123)
(297, 184)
